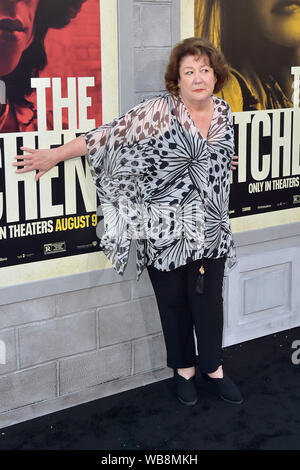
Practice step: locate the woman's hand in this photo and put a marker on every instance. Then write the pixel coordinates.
(41, 160)
(234, 162)
(44, 160)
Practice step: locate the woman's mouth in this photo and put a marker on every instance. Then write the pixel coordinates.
(198, 90)
(11, 28)
(287, 7)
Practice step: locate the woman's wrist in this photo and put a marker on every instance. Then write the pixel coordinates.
(57, 155)
(75, 148)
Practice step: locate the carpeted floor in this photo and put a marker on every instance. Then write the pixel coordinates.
(151, 418)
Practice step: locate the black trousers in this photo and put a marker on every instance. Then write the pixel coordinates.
(182, 309)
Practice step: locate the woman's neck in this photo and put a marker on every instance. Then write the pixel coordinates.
(278, 66)
(284, 74)
(195, 106)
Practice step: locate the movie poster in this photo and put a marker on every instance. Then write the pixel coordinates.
(50, 92)
(261, 42)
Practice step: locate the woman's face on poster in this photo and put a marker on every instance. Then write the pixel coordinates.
(278, 20)
(16, 31)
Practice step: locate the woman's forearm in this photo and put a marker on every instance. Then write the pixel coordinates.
(44, 160)
(75, 148)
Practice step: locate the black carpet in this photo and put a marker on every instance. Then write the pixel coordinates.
(151, 418)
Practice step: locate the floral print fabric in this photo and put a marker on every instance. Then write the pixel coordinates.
(164, 185)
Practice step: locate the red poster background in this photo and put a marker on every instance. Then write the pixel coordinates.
(75, 51)
(72, 51)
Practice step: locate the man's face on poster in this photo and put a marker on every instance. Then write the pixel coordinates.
(16, 31)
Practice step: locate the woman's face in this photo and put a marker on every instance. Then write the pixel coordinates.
(196, 78)
(16, 31)
(278, 20)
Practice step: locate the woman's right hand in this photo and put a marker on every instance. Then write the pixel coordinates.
(41, 160)
(234, 162)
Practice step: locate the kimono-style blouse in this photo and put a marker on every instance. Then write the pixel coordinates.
(164, 185)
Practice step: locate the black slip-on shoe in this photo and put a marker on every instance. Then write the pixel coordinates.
(186, 389)
(226, 388)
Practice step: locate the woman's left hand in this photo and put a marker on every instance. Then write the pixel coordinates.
(234, 162)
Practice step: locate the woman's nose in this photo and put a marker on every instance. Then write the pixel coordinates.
(10, 2)
(197, 78)
(8, 7)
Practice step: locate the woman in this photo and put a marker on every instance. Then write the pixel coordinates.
(261, 41)
(162, 172)
(23, 27)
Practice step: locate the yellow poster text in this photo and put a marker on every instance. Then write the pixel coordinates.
(75, 223)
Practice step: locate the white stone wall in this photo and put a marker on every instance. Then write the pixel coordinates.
(65, 349)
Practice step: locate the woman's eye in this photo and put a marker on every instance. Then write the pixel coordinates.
(189, 72)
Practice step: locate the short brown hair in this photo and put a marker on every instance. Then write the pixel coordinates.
(196, 47)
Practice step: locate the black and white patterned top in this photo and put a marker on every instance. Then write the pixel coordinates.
(164, 185)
